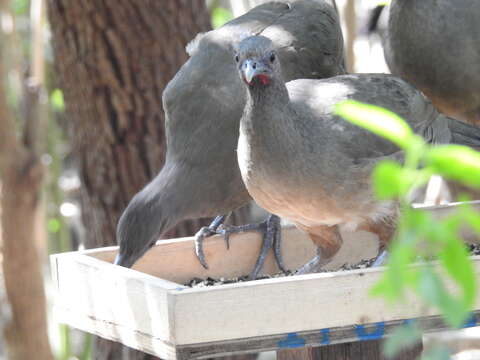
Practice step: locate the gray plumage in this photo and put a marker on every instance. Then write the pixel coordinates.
(435, 45)
(302, 162)
(203, 104)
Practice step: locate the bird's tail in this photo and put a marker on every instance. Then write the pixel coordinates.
(463, 133)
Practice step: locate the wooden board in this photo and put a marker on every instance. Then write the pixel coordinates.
(148, 308)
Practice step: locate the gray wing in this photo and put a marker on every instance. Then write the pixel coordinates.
(386, 91)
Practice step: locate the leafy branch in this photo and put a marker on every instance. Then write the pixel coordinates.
(450, 287)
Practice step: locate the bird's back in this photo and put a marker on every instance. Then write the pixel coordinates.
(314, 101)
(435, 45)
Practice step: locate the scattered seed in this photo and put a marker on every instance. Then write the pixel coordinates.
(196, 282)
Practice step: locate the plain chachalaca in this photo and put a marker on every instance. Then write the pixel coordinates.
(435, 45)
(203, 104)
(304, 163)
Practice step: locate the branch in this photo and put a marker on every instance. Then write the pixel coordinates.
(21, 176)
(8, 138)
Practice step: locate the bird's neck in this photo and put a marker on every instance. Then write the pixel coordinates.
(263, 102)
(266, 114)
(274, 94)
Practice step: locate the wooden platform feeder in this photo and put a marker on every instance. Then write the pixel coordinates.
(148, 308)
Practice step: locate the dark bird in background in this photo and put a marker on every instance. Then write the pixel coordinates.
(435, 45)
(302, 162)
(203, 104)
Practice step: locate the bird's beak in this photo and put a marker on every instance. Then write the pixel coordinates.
(253, 69)
(118, 259)
(249, 71)
(123, 260)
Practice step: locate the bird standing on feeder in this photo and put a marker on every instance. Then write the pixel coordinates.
(203, 104)
(304, 163)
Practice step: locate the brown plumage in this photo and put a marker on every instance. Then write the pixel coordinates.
(302, 162)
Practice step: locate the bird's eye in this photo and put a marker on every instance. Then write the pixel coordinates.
(272, 58)
(236, 58)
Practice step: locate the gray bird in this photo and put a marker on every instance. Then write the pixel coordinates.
(302, 162)
(203, 104)
(435, 45)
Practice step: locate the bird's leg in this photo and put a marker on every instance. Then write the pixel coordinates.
(270, 229)
(271, 239)
(328, 241)
(385, 232)
(207, 231)
(277, 242)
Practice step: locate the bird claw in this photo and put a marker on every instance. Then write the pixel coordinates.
(207, 231)
(225, 231)
(381, 259)
(271, 239)
(314, 265)
(199, 238)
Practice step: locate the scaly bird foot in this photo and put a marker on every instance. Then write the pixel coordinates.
(270, 228)
(272, 238)
(207, 231)
(381, 259)
(314, 265)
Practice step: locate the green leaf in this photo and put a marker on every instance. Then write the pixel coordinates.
(378, 120)
(404, 336)
(220, 16)
(432, 290)
(471, 217)
(87, 347)
(390, 180)
(53, 225)
(397, 276)
(456, 162)
(20, 7)
(56, 99)
(437, 352)
(65, 348)
(455, 259)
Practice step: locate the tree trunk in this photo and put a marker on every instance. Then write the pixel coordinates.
(21, 177)
(114, 57)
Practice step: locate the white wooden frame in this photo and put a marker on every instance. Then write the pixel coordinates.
(142, 309)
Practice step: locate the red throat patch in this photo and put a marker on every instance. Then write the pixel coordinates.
(264, 79)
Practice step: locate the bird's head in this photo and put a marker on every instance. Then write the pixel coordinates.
(138, 228)
(257, 61)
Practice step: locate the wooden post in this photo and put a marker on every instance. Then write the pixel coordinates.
(361, 350)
